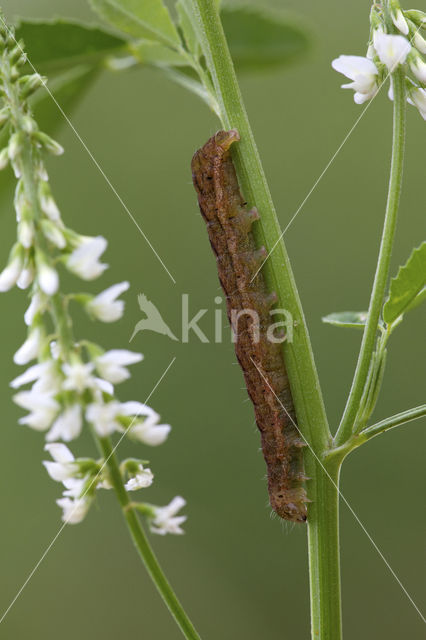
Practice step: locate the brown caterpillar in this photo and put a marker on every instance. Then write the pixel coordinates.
(228, 224)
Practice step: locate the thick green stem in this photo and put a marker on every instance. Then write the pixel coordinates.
(324, 554)
(277, 270)
(383, 264)
(142, 545)
(306, 392)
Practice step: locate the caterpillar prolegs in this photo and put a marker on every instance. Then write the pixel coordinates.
(229, 228)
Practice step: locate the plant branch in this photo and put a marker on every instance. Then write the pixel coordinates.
(382, 271)
(142, 545)
(393, 421)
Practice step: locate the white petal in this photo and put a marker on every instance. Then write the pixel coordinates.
(36, 305)
(84, 260)
(105, 307)
(73, 511)
(10, 274)
(30, 349)
(59, 452)
(392, 50)
(352, 66)
(48, 279)
(31, 374)
(400, 22)
(419, 43)
(68, 426)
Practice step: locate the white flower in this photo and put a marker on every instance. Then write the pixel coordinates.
(400, 22)
(148, 431)
(362, 71)
(36, 304)
(47, 278)
(53, 233)
(35, 372)
(84, 260)
(26, 233)
(73, 511)
(64, 466)
(419, 43)
(43, 407)
(78, 376)
(418, 67)
(11, 273)
(392, 50)
(112, 364)
(67, 426)
(31, 347)
(105, 307)
(47, 203)
(165, 519)
(418, 96)
(143, 478)
(103, 417)
(26, 277)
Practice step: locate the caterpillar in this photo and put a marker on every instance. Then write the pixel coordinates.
(248, 306)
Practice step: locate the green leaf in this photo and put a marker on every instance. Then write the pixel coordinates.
(60, 44)
(347, 319)
(260, 38)
(149, 52)
(148, 19)
(406, 286)
(188, 29)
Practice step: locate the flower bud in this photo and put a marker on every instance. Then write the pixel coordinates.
(47, 203)
(26, 233)
(418, 17)
(398, 18)
(418, 66)
(47, 276)
(419, 42)
(4, 158)
(49, 143)
(53, 233)
(29, 84)
(12, 271)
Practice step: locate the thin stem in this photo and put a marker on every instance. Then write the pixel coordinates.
(357, 439)
(383, 264)
(299, 358)
(142, 545)
(393, 421)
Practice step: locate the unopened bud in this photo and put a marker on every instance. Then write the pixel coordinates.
(49, 143)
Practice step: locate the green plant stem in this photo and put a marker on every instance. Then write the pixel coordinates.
(357, 439)
(142, 545)
(299, 357)
(323, 511)
(324, 555)
(382, 271)
(394, 421)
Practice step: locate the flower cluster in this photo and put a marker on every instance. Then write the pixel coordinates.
(71, 382)
(394, 44)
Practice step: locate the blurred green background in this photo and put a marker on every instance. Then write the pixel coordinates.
(240, 573)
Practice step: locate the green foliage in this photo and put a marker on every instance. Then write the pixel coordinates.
(406, 289)
(260, 38)
(347, 319)
(149, 19)
(60, 44)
